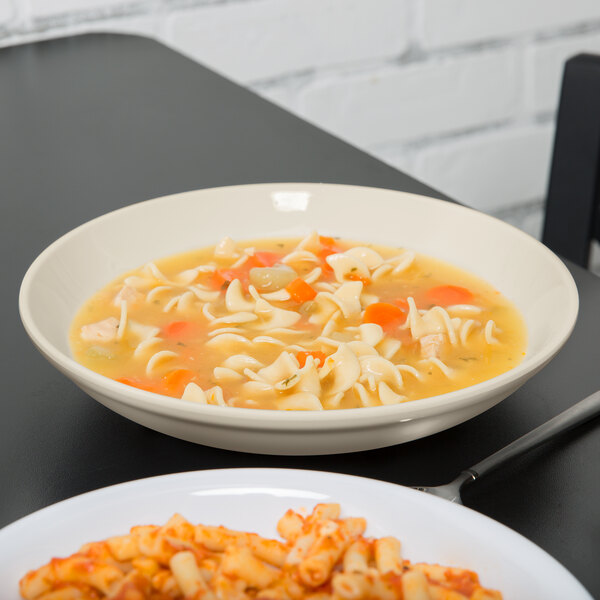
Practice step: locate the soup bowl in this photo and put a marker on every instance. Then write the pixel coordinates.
(86, 259)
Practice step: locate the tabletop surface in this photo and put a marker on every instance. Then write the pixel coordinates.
(96, 122)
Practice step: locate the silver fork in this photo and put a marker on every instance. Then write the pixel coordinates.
(578, 414)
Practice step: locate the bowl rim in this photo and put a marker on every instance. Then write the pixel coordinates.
(267, 419)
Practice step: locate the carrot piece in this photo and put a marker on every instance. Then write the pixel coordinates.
(325, 252)
(300, 291)
(266, 259)
(137, 382)
(250, 263)
(329, 247)
(259, 259)
(445, 295)
(402, 304)
(175, 381)
(223, 277)
(322, 255)
(217, 280)
(229, 275)
(327, 241)
(180, 329)
(317, 355)
(385, 314)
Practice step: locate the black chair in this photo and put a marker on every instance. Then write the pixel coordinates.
(572, 217)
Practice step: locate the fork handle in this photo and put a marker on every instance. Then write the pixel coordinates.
(579, 413)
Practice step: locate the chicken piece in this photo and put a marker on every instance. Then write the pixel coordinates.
(102, 331)
(127, 293)
(432, 345)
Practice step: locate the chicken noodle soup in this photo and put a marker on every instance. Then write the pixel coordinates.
(298, 324)
(322, 557)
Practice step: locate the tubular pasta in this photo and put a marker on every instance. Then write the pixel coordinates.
(351, 586)
(188, 576)
(387, 555)
(322, 557)
(356, 558)
(289, 527)
(242, 564)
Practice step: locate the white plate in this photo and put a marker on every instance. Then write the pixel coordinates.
(430, 529)
(86, 259)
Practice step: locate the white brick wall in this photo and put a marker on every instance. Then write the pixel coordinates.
(460, 93)
(262, 39)
(49, 8)
(428, 99)
(446, 23)
(516, 160)
(6, 12)
(548, 59)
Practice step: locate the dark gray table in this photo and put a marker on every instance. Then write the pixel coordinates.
(92, 123)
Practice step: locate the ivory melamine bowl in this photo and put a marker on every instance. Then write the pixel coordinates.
(84, 260)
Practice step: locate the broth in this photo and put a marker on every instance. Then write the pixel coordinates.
(317, 323)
